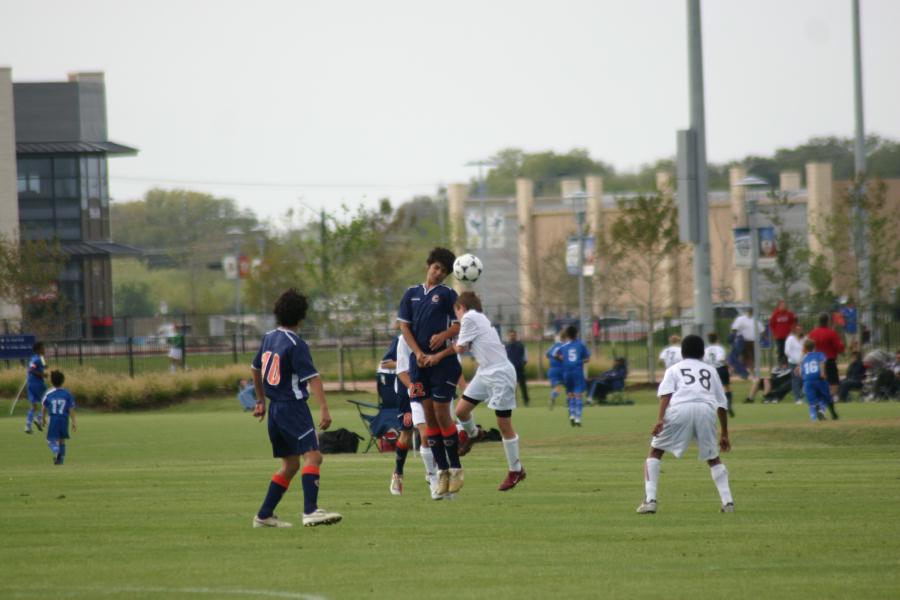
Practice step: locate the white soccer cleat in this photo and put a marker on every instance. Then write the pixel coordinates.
(728, 508)
(272, 521)
(443, 482)
(456, 480)
(320, 517)
(647, 507)
(396, 485)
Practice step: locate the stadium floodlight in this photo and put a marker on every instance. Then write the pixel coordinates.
(578, 202)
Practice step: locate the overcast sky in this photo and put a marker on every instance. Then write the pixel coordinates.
(283, 104)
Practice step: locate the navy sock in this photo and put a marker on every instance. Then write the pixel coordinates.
(451, 445)
(277, 487)
(436, 443)
(310, 481)
(401, 459)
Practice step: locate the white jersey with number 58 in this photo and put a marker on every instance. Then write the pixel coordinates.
(692, 380)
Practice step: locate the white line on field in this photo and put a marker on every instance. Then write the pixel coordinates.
(113, 590)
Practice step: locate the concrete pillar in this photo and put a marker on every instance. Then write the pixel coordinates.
(569, 186)
(664, 182)
(789, 181)
(528, 292)
(457, 196)
(819, 206)
(9, 198)
(741, 281)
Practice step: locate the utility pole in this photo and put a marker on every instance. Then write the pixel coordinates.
(859, 212)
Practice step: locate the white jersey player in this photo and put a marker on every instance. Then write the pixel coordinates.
(691, 399)
(494, 383)
(671, 354)
(716, 357)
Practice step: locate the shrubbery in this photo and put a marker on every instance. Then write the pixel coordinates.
(114, 392)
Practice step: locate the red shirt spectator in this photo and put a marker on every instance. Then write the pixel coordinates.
(782, 322)
(827, 341)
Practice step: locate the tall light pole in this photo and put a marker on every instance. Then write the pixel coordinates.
(236, 235)
(578, 200)
(751, 183)
(859, 213)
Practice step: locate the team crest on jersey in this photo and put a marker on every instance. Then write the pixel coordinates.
(435, 299)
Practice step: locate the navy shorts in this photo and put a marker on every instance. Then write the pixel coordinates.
(437, 382)
(574, 381)
(831, 372)
(36, 392)
(724, 375)
(291, 429)
(58, 429)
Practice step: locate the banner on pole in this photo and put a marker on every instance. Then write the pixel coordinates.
(743, 242)
(572, 255)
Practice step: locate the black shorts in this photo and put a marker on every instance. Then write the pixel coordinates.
(724, 375)
(831, 372)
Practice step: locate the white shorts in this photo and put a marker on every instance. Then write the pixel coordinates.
(687, 421)
(175, 353)
(418, 413)
(496, 388)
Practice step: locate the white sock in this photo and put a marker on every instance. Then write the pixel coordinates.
(469, 426)
(720, 476)
(428, 459)
(651, 478)
(511, 447)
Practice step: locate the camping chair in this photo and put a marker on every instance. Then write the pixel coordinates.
(384, 417)
(613, 383)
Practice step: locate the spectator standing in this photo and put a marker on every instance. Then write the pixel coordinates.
(781, 323)
(793, 349)
(829, 343)
(851, 324)
(517, 354)
(749, 329)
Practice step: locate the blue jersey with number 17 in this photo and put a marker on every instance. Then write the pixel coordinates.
(285, 365)
(574, 353)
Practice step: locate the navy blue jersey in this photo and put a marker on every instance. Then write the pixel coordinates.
(809, 368)
(58, 402)
(391, 354)
(36, 367)
(286, 366)
(427, 311)
(574, 353)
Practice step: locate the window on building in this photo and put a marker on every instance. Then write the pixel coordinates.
(34, 177)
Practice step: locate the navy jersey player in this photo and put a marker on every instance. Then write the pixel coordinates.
(283, 372)
(573, 355)
(37, 372)
(428, 323)
(60, 405)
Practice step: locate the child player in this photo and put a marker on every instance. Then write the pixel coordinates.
(574, 354)
(815, 386)
(715, 357)
(61, 405)
(554, 371)
(494, 382)
(37, 372)
(428, 324)
(690, 399)
(283, 372)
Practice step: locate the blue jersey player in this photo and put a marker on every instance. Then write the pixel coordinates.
(60, 405)
(37, 387)
(815, 386)
(555, 372)
(573, 355)
(428, 324)
(284, 373)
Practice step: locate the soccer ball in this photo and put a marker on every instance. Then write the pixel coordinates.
(467, 268)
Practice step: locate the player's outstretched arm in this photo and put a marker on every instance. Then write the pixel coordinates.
(317, 390)
(663, 405)
(259, 411)
(724, 442)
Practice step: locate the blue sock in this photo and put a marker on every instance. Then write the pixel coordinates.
(30, 418)
(62, 453)
(579, 407)
(310, 480)
(402, 452)
(812, 412)
(436, 443)
(277, 487)
(553, 396)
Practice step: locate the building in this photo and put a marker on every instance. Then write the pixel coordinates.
(61, 189)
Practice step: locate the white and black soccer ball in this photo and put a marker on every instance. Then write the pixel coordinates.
(467, 268)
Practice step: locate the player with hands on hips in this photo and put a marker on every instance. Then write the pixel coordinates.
(690, 400)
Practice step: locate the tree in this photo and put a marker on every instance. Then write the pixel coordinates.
(792, 258)
(643, 241)
(133, 299)
(544, 168)
(29, 278)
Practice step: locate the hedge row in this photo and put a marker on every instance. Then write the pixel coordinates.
(114, 392)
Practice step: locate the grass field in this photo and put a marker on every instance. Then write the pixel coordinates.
(159, 504)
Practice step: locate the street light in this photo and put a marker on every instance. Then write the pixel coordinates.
(578, 201)
(236, 235)
(260, 232)
(751, 183)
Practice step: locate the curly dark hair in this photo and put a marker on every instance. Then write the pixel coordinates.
(290, 308)
(692, 347)
(443, 256)
(57, 378)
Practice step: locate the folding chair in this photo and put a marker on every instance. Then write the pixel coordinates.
(386, 412)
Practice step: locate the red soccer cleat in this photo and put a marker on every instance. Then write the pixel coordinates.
(512, 478)
(466, 441)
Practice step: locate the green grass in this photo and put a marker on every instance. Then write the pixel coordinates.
(158, 504)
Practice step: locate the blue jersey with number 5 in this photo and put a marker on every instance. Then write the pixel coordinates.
(574, 353)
